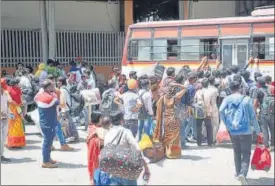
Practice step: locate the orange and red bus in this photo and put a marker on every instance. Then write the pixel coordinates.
(177, 43)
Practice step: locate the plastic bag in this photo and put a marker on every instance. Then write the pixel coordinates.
(261, 159)
(145, 142)
(222, 134)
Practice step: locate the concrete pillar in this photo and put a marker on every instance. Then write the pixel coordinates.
(44, 31)
(51, 29)
(128, 13)
(181, 9)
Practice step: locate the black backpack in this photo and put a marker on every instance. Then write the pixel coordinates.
(107, 103)
(267, 106)
(77, 101)
(143, 113)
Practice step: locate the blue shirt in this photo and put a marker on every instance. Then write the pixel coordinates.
(191, 91)
(249, 117)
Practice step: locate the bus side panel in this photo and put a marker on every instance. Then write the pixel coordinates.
(263, 28)
(235, 29)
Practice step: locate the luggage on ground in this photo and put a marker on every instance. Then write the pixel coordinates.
(155, 153)
(145, 142)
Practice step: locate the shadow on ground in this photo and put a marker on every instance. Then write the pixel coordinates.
(203, 147)
(75, 150)
(27, 147)
(261, 181)
(193, 157)
(21, 160)
(31, 142)
(70, 165)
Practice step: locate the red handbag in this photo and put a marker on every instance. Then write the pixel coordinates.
(261, 159)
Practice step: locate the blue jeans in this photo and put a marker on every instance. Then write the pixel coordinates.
(121, 181)
(48, 135)
(59, 134)
(183, 125)
(144, 126)
(132, 125)
(85, 113)
(190, 124)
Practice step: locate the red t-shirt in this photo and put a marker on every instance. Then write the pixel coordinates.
(271, 89)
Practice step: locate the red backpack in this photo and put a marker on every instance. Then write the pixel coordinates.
(261, 159)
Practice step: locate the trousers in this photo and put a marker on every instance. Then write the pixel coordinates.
(48, 137)
(267, 124)
(242, 152)
(209, 130)
(4, 133)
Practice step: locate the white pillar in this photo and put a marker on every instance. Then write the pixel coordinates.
(51, 29)
(44, 31)
(181, 9)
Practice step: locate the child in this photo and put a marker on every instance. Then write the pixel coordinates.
(94, 143)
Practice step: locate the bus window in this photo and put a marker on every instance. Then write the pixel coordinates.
(164, 49)
(172, 49)
(195, 49)
(139, 50)
(190, 49)
(263, 47)
(160, 49)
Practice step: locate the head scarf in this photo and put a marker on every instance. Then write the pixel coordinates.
(41, 68)
(132, 84)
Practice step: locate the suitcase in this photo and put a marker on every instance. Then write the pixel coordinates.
(154, 154)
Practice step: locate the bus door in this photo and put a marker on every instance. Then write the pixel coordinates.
(234, 52)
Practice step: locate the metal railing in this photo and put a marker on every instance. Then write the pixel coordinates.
(97, 48)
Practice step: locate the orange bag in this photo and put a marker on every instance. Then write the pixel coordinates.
(261, 159)
(222, 134)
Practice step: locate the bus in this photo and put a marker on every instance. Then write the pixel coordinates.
(231, 40)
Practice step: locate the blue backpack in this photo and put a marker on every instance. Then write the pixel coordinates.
(235, 120)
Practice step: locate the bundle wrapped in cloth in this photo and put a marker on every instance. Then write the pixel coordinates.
(153, 151)
(91, 97)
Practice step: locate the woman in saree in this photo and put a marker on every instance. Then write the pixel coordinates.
(16, 136)
(167, 129)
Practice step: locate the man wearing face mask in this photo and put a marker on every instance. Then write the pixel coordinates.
(47, 103)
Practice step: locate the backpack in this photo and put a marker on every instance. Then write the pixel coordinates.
(235, 116)
(252, 91)
(107, 103)
(267, 106)
(199, 110)
(143, 113)
(77, 101)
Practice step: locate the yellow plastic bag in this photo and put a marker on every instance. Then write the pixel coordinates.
(145, 142)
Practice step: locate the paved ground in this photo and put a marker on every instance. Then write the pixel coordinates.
(198, 166)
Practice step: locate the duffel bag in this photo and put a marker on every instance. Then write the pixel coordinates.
(121, 161)
(154, 154)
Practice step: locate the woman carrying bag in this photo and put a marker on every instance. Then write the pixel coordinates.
(121, 156)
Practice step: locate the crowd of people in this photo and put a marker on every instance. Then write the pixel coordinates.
(172, 109)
